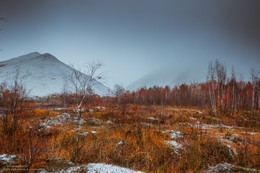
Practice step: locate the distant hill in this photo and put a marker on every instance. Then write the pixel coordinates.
(47, 73)
(189, 72)
(170, 77)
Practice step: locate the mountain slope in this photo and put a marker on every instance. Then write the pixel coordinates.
(169, 77)
(46, 73)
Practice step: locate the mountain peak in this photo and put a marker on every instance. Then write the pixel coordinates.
(33, 54)
(48, 56)
(47, 73)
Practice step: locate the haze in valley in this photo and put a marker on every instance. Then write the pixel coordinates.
(136, 38)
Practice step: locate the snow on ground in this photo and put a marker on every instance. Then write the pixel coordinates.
(209, 126)
(7, 158)
(89, 132)
(94, 121)
(61, 119)
(72, 169)
(83, 134)
(199, 112)
(58, 120)
(174, 134)
(152, 119)
(220, 167)
(106, 168)
(232, 150)
(227, 167)
(109, 122)
(230, 145)
(229, 142)
(121, 142)
(250, 133)
(232, 137)
(93, 132)
(193, 119)
(94, 168)
(176, 146)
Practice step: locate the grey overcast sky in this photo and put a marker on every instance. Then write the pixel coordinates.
(134, 37)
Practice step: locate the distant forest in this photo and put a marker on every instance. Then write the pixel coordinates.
(220, 93)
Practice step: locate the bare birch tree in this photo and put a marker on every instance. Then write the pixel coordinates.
(221, 74)
(217, 78)
(82, 87)
(119, 93)
(234, 90)
(255, 88)
(212, 80)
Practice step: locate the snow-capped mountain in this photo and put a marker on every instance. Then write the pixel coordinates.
(46, 74)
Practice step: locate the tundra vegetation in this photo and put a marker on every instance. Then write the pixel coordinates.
(198, 127)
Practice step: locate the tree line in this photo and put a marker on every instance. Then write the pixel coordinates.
(220, 93)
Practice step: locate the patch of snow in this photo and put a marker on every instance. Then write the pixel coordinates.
(151, 118)
(176, 146)
(250, 133)
(107, 168)
(199, 112)
(185, 124)
(83, 134)
(210, 126)
(227, 167)
(109, 122)
(121, 142)
(226, 141)
(53, 122)
(232, 150)
(232, 137)
(73, 169)
(194, 119)
(60, 109)
(61, 119)
(58, 120)
(174, 134)
(64, 116)
(229, 145)
(7, 158)
(78, 110)
(94, 168)
(100, 108)
(93, 132)
(44, 126)
(221, 167)
(80, 121)
(94, 121)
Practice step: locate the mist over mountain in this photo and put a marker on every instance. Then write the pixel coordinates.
(180, 73)
(46, 74)
(170, 77)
